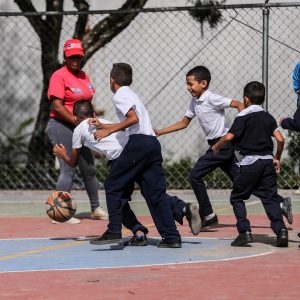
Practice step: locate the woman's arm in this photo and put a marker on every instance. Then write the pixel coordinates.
(57, 105)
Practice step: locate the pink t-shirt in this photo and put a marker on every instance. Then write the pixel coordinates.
(70, 88)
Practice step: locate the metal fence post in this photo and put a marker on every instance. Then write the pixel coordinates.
(265, 54)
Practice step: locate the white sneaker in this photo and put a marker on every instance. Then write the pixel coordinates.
(71, 221)
(99, 214)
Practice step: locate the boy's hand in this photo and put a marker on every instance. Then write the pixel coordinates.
(215, 149)
(280, 120)
(157, 132)
(59, 150)
(95, 122)
(101, 134)
(276, 163)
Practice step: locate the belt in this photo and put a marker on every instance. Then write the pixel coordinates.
(213, 141)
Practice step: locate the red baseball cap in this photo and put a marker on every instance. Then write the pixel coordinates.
(73, 47)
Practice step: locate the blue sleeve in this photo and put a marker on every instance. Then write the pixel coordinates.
(292, 123)
(296, 79)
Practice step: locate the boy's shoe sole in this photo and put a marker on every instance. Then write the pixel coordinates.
(287, 209)
(98, 241)
(193, 217)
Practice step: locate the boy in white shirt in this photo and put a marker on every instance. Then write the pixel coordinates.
(141, 162)
(209, 108)
(111, 147)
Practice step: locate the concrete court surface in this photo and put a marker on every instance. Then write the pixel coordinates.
(41, 260)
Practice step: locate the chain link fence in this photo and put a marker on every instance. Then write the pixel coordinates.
(161, 45)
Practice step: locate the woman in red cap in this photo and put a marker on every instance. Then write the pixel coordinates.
(68, 85)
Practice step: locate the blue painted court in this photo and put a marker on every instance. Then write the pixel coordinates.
(19, 255)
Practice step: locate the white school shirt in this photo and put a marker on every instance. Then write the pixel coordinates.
(111, 146)
(250, 159)
(125, 99)
(210, 111)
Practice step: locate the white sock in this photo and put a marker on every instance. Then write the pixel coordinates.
(209, 216)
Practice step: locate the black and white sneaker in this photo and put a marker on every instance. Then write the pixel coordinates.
(193, 217)
(107, 238)
(137, 241)
(211, 222)
(286, 209)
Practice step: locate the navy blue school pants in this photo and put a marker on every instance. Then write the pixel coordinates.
(141, 161)
(260, 176)
(129, 219)
(224, 159)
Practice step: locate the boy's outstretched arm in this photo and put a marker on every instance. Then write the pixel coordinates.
(224, 139)
(280, 144)
(104, 130)
(237, 104)
(175, 127)
(61, 152)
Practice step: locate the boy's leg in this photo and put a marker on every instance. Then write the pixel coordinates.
(268, 192)
(153, 186)
(154, 190)
(243, 186)
(206, 164)
(129, 219)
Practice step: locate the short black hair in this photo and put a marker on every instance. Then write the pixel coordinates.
(83, 108)
(121, 73)
(255, 91)
(200, 73)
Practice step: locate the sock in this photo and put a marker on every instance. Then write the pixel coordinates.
(209, 216)
(139, 234)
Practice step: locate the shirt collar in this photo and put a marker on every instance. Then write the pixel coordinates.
(203, 96)
(250, 109)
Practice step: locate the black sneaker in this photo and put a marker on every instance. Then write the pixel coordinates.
(282, 238)
(286, 209)
(107, 238)
(211, 222)
(166, 244)
(242, 239)
(193, 217)
(137, 241)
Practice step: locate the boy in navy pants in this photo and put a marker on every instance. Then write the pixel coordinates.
(111, 147)
(209, 108)
(140, 161)
(252, 132)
